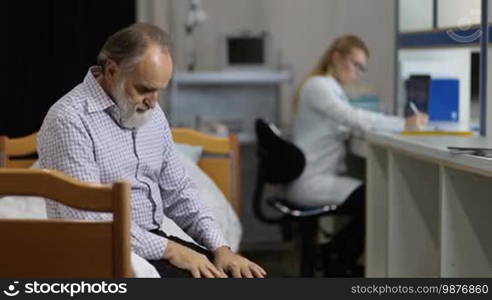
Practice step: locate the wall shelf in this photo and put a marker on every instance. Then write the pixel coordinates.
(441, 38)
(234, 98)
(233, 77)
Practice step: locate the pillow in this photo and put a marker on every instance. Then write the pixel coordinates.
(215, 200)
(192, 152)
(23, 207)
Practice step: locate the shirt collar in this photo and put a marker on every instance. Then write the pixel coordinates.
(100, 100)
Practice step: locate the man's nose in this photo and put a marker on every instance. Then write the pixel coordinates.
(152, 100)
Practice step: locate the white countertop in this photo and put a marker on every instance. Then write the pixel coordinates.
(233, 77)
(434, 148)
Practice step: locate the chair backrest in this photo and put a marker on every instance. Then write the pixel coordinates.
(65, 248)
(279, 162)
(18, 152)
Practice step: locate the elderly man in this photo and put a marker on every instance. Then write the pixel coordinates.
(110, 127)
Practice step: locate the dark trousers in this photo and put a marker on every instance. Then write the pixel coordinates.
(349, 241)
(165, 269)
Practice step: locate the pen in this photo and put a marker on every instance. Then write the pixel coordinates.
(413, 107)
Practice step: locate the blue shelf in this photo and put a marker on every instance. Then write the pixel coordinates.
(450, 37)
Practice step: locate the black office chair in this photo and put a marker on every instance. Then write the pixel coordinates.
(279, 163)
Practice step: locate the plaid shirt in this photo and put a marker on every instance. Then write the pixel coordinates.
(82, 137)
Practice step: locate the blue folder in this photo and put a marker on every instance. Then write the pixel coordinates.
(444, 100)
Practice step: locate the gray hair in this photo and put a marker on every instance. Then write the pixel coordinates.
(127, 46)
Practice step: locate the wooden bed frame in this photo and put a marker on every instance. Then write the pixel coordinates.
(220, 159)
(17, 152)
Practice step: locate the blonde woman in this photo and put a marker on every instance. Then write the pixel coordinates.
(323, 122)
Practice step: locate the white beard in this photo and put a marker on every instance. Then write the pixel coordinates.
(129, 116)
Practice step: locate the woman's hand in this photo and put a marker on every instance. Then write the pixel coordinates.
(416, 121)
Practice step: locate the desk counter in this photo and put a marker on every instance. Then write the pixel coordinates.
(429, 212)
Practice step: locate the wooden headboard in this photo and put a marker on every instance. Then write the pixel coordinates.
(18, 152)
(3, 157)
(220, 160)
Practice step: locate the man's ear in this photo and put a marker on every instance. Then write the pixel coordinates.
(111, 69)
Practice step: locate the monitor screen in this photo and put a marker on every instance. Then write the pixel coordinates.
(246, 50)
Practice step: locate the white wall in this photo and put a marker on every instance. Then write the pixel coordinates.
(224, 16)
(154, 11)
(301, 31)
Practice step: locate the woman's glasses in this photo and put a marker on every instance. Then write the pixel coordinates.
(362, 68)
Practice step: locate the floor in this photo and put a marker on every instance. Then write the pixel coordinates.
(280, 262)
(254, 231)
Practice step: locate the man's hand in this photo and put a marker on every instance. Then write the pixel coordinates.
(196, 263)
(237, 266)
